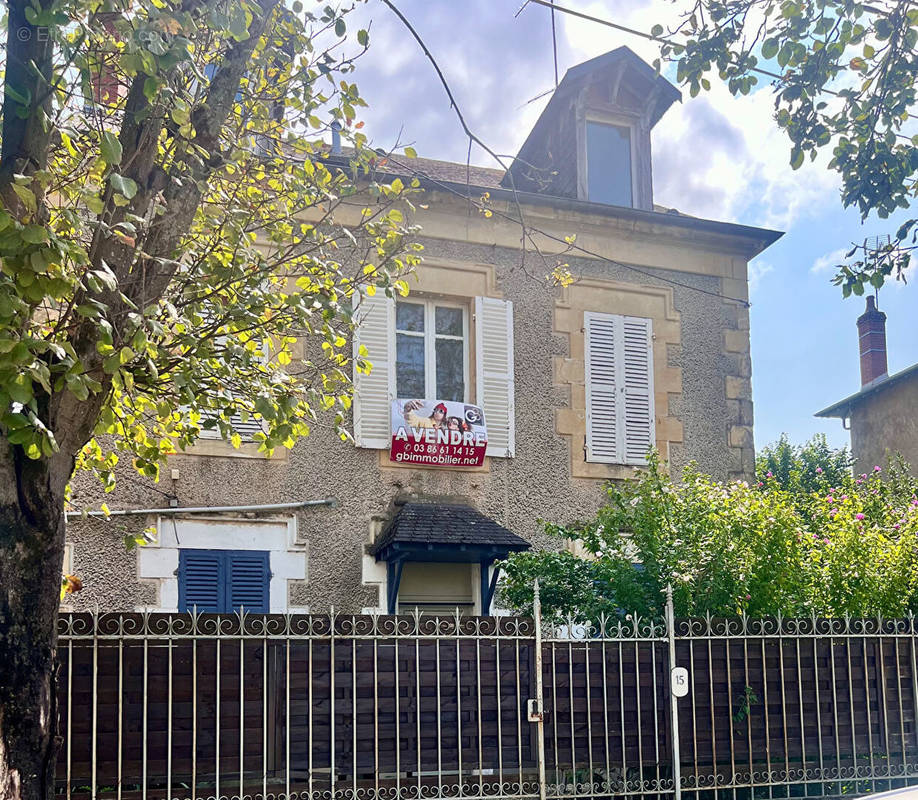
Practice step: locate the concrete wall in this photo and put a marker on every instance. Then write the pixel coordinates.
(885, 423)
(702, 387)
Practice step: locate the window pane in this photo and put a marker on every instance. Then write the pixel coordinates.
(409, 366)
(450, 370)
(409, 317)
(449, 321)
(608, 164)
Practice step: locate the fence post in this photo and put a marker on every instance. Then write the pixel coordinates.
(673, 700)
(539, 716)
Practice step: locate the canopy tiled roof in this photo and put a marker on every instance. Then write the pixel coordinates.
(439, 525)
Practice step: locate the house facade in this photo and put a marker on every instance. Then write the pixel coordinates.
(648, 346)
(881, 414)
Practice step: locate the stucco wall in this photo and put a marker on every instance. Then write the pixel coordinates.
(885, 422)
(703, 408)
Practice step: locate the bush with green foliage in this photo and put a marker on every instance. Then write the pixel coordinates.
(789, 544)
(811, 467)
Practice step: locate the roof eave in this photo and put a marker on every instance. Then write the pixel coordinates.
(765, 236)
(842, 409)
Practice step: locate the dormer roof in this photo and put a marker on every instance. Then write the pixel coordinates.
(618, 83)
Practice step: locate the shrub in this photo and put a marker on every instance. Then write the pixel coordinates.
(731, 548)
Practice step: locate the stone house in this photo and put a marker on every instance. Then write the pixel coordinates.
(649, 346)
(881, 414)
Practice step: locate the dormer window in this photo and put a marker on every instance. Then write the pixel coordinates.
(609, 164)
(592, 141)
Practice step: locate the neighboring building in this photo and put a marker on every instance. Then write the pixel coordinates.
(881, 414)
(649, 346)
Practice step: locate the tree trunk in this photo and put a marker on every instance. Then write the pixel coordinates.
(31, 558)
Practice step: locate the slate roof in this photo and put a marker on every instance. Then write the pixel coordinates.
(440, 524)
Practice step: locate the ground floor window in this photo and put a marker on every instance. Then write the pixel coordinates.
(222, 581)
(219, 564)
(437, 588)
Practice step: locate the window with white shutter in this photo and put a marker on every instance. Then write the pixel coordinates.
(373, 391)
(410, 355)
(494, 372)
(619, 388)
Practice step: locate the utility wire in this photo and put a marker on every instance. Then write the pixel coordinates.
(526, 229)
(664, 40)
(573, 246)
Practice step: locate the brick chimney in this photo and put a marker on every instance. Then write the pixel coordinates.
(871, 330)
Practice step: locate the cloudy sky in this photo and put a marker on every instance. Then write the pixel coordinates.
(714, 156)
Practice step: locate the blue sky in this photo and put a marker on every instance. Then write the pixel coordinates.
(714, 156)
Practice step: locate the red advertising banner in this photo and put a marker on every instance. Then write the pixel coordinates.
(439, 433)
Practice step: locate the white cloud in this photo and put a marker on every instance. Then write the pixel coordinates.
(829, 261)
(758, 269)
(715, 155)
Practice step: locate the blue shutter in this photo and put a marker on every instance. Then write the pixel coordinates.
(220, 581)
(201, 580)
(248, 580)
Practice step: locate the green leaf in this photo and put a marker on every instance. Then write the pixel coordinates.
(123, 185)
(363, 38)
(34, 234)
(23, 98)
(340, 27)
(27, 196)
(110, 148)
(410, 152)
(20, 389)
(769, 48)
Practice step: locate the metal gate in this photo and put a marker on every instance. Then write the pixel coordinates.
(357, 707)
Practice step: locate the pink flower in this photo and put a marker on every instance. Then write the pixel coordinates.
(864, 475)
(844, 497)
(748, 596)
(876, 468)
(830, 499)
(896, 526)
(825, 541)
(760, 484)
(819, 470)
(859, 516)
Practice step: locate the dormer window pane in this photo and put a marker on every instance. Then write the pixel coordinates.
(609, 164)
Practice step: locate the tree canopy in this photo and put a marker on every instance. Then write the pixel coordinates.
(809, 538)
(168, 232)
(844, 79)
(177, 252)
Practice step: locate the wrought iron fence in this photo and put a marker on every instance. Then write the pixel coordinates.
(347, 707)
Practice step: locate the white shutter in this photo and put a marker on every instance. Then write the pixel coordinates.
(246, 430)
(602, 388)
(619, 388)
(637, 346)
(494, 372)
(373, 393)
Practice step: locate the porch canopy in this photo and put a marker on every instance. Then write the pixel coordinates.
(444, 532)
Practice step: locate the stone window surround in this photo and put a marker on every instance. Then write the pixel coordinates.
(458, 282)
(158, 563)
(628, 299)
